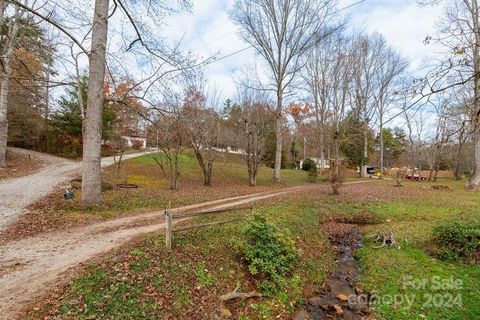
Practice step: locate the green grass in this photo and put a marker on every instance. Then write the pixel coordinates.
(230, 178)
(144, 280)
(388, 271)
(227, 166)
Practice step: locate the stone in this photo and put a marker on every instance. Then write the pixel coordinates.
(315, 301)
(338, 309)
(326, 307)
(342, 297)
(302, 315)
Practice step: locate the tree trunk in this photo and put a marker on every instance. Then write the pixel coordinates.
(475, 180)
(252, 177)
(382, 151)
(208, 175)
(6, 67)
(47, 93)
(432, 164)
(321, 140)
(435, 174)
(321, 134)
(363, 170)
(458, 167)
(176, 173)
(206, 169)
(4, 116)
(91, 171)
(278, 143)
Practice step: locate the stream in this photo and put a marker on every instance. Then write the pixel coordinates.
(339, 297)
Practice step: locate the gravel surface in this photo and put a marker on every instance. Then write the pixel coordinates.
(18, 193)
(33, 266)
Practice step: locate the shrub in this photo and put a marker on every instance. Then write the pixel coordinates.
(290, 165)
(457, 240)
(309, 165)
(312, 176)
(269, 253)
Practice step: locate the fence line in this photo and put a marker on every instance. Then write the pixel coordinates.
(170, 216)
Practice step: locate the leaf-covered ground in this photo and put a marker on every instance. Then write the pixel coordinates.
(434, 289)
(143, 280)
(230, 178)
(17, 165)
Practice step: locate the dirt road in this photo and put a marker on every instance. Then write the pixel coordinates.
(29, 267)
(17, 193)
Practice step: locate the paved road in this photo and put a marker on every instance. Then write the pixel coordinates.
(17, 193)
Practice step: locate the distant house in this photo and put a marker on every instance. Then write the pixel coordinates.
(318, 162)
(229, 149)
(131, 141)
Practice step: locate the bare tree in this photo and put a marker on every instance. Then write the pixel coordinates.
(315, 76)
(369, 58)
(441, 137)
(171, 139)
(202, 126)
(139, 47)
(337, 83)
(392, 67)
(459, 33)
(414, 120)
(8, 44)
(257, 124)
(461, 123)
(282, 31)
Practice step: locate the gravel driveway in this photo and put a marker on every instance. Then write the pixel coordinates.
(17, 193)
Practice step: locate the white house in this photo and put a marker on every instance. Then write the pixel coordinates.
(318, 162)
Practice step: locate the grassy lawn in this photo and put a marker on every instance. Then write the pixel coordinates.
(230, 178)
(390, 272)
(144, 281)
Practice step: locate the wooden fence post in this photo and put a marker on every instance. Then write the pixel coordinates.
(168, 229)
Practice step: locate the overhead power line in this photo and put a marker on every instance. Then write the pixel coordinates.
(250, 46)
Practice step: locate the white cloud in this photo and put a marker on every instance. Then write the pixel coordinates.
(207, 30)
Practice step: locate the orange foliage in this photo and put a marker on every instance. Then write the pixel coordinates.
(299, 111)
(128, 108)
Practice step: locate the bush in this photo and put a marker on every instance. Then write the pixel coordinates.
(309, 165)
(290, 165)
(312, 176)
(457, 240)
(269, 253)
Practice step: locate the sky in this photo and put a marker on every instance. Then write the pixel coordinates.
(207, 31)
